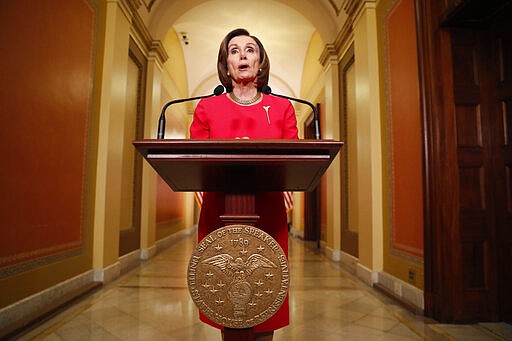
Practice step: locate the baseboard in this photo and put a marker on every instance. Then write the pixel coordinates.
(366, 275)
(164, 243)
(349, 262)
(409, 296)
(295, 233)
(148, 253)
(22, 316)
(108, 274)
(332, 254)
(130, 261)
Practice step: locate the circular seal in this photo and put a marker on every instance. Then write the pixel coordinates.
(238, 276)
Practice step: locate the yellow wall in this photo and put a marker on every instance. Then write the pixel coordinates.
(112, 105)
(149, 180)
(312, 75)
(175, 65)
(175, 81)
(369, 141)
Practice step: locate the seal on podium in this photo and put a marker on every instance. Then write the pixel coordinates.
(238, 276)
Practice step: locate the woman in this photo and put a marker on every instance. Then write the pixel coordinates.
(244, 112)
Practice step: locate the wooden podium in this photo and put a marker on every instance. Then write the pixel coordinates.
(239, 168)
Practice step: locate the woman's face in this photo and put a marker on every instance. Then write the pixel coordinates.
(243, 59)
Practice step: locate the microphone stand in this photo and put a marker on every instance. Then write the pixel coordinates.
(268, 91)
(161, 122)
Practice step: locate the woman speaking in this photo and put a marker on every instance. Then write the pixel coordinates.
(245, 112)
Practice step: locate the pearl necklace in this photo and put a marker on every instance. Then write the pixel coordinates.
(244, 101)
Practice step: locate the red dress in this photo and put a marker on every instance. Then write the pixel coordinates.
(272, 118)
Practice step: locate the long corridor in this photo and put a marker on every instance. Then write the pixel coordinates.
(152, 302)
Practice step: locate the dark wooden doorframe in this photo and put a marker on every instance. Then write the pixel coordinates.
(312, 200)
(467, 228)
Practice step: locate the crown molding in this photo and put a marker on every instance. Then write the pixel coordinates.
(157, 51)
(149, 46)
(334, 51)
(354, 8)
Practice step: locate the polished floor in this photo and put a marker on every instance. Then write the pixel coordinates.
(326, 303)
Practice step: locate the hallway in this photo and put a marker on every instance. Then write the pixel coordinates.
(152, 302)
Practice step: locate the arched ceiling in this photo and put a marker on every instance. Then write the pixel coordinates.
(285, 28)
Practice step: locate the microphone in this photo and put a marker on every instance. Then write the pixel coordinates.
(268, 91)
(161, 122)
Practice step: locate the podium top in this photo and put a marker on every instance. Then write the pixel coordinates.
(239, 165)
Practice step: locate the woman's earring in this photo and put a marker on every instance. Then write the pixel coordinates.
(260, 70)
(229, 74)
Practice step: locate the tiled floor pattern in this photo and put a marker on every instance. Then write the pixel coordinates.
(326, 303)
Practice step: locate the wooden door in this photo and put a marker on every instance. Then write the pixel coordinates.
(466, 91)
(482, 79)
(500, 38)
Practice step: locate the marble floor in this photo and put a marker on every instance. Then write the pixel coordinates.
(152, 302)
